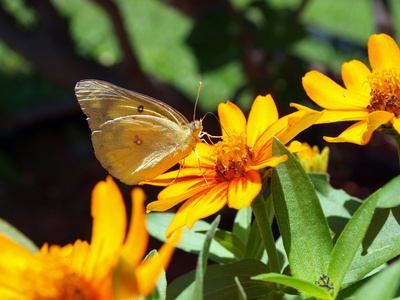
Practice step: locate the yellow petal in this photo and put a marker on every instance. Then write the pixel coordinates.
(201, 157)
(212, 201)
(270, 161)
(383, 52)
(262, 114)
(231, 118)
(242, 191)
(355, 77)
(14, 260)
(137, 238)
(396, 124)
(328, 94)
(361, 132)
(109, 225)
(296, 146)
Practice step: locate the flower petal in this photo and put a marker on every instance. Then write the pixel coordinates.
(330, 116)
(296, 146)
(262, 114)
(242, 191)
(211, 202)
(355, 75)
(328, 94)
(201, 157)
(109, 226)
(178, 192)
(383, 52)
(137, 238)
(396, 124)
(179, 220)
(232, 118)
(361, 132)
(271, 161)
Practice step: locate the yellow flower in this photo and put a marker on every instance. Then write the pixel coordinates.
(371, 98)
(312, 160)
(109, 268)
(230, 171)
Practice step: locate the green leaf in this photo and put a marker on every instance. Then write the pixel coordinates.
(380, 244)
(381, 286)
(241, 292)
(219, 281)
(349, 241)
(389, 194)
(11, 232)
(192, 241)
(302, 285)
(202, 261)
(230, 242)
(254, 247)
(242, 224)
(160, 292)
(302, 224)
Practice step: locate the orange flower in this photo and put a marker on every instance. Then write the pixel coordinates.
(230, 171)
(372, 98)
(88, 271)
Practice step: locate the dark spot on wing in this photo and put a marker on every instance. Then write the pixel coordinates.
(140, 108)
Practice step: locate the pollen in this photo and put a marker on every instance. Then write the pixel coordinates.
(232, 156)
(385, 91)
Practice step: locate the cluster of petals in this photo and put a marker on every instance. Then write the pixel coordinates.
(110, 267)
(230, 172)
(372, 98)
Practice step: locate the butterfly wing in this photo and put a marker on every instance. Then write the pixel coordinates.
(134, 136)
(102, 101)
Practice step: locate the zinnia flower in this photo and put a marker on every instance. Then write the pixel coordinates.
(88, 271)
(371, 97)
(230, 171)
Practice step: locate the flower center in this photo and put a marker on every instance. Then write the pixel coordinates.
(232, 155)
(385, 91)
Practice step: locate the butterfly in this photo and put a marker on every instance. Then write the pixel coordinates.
(135, 137)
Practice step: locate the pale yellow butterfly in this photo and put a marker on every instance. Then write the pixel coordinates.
(135, 137)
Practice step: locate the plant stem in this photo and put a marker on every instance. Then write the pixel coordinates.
(262, 218)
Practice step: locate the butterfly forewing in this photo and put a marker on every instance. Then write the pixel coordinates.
(102, 101)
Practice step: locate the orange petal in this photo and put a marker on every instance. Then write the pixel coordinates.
(176, 193)
(262, 114)
(212, 201)
(232, 118)
(355, 77)
(109, 225)
(150, 270)
(383, 52)
(328, 94)
(137, 238)
(179, 219)
(242, 191)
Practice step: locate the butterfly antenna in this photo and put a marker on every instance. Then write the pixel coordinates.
(197, 100)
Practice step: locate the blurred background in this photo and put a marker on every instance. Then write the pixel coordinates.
(163, 48)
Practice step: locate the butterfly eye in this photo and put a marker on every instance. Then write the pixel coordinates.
(140, 108)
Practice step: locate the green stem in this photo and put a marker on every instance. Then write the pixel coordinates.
(262, 218)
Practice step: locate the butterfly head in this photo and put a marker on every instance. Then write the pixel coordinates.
(196, 128)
